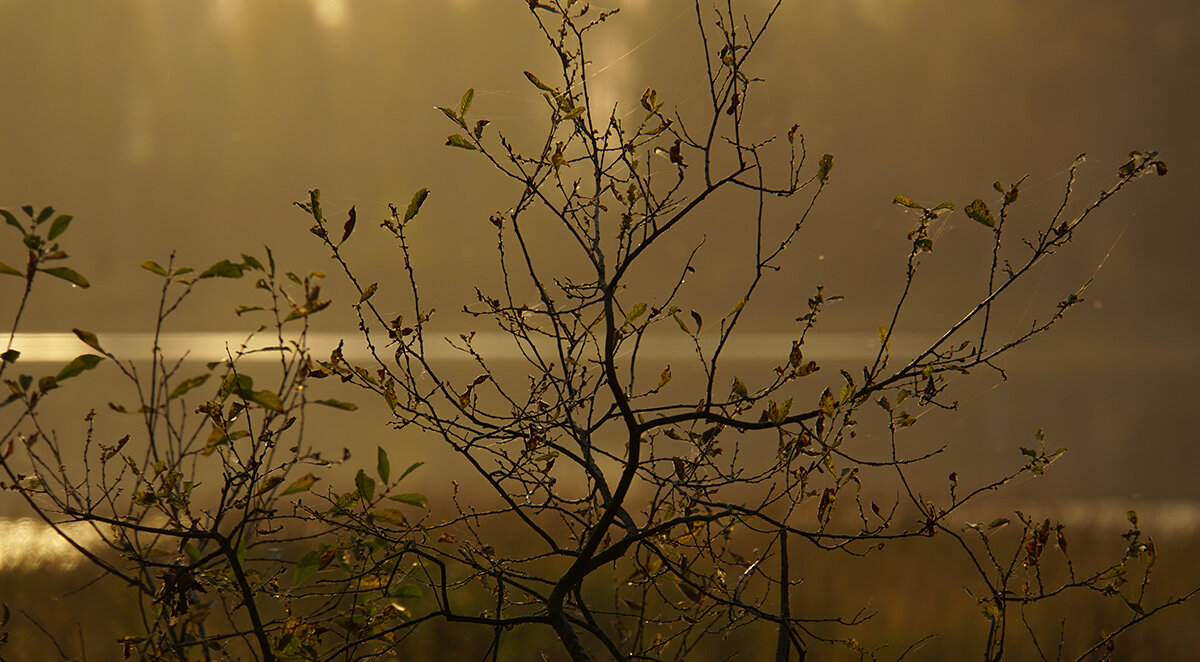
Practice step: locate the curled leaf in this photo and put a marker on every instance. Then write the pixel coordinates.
(823, 168)
(223, 269)
(538, 83)
(349, 226)
(457, 140)
(978, 211)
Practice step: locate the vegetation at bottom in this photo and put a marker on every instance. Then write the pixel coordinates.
(601, 507)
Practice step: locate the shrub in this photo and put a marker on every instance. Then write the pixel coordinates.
(633, 508)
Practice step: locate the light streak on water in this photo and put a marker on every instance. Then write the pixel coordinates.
(747, 346)
(770, 347)
(27, 544)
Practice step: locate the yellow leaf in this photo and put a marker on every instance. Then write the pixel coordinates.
(300, 485)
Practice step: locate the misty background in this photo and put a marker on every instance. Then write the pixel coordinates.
(193, 126)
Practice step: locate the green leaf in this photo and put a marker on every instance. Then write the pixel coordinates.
(223, 269)
(411, 498)
(44, 215)
(410, 469)
(906, 201)
(68, 274)
(252, 262)
(306, 566)
(266, 399)
(218, 438)
(336, 404)
(59, 226)
(414, 206)
(635, 312)
(88, 339)
(944, 205)
(12, 220)
(407, 591)
(664, 377)
(574, 112)
(311, 308)
(240, 553)
(366, 485)
(737, 307)
(1136, 607)
(10, 356)
(382, 466)
(824, 167)
(235, 383)
(979, 211)
(192, 552)
(369, 292)
(739, 387)
(827, 403)
(300, 485)
(538, 83)
(269, 484)
(5, 269)
(465, 104)
(450, 113)
(154, 268)
(457, 140)
(78, 365)
(998, 522)
(47, 384)
(187, 385)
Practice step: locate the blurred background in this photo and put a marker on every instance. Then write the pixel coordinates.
(192, 127)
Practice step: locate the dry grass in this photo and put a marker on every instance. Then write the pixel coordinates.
(915, 591)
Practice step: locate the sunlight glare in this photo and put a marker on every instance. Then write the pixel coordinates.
(330, 14)
(26, 544)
